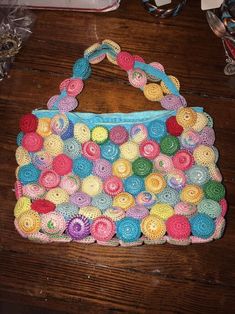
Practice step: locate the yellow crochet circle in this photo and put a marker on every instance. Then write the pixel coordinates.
(115, 47)
(162, 210)
(115, 214)
(91, 49)
(155, 183)
(191, 194)
(82, 132)
(186, 117)
(129, 150)
(90, 212)
(99, 134)
(204, 155)
(22, 156)
(57, 196)
(44, 127)
(17, 172)
(201, 122)
(122, 168)
(123, 200)
(23, 204)
(53, 144)
(153, 92)
(174, 80)
(29, 222)
(153, 227)
(92, 185)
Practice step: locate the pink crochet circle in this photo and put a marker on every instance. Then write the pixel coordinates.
(49, 179)
(91, 150)
(185, 209)
(149, 149)
(18, 189)
(118, 135)
(163, 163)
(183, 160)
(74, 87)
(32, 142)
(138, 58)
(103, 228)
(113, 186)
(157, 66)
(224, 206)
(62, 164)
(64, 84)
(137, 78)
(125, 60)
(178, 227)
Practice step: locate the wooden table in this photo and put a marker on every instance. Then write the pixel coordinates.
(91, 279)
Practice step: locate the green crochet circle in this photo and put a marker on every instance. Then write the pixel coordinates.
(142, 167)
(214, 190)
(209, 207)
(169, 145)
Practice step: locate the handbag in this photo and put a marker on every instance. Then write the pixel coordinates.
(124, 179)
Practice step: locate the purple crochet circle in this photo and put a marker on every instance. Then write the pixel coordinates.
(138, 212)
(67, 103)
(52, 101)
(173, 102)
(78, 227)
(207, 136)
(80, 199)
(102, 168)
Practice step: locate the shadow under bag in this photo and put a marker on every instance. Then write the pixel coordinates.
(119, 178)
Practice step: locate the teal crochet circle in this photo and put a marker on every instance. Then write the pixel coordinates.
(134, 185)
(202, 226)
(156, 130)
(67, 210)
(81, 68)
(28, 174)
(72, 148)
(198, 175)
(102, 201)
(169, 196)
(82, 167)
(209, 207)
(19, 138)
(110, 151)
(128, 229)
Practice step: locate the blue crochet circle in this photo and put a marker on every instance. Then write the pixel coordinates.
(198, 175)
(169, 196)
(88, 74)
(28, 174)
(67, 210)
(157, 130)
(19, 138)
(202, 226)
(72, 148)
(69, 132)
(134, 185)
(82, 167)
(102, 201)
(81, 68)
(128, 229)
(110, 151)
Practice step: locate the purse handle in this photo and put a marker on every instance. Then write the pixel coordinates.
(138, 73)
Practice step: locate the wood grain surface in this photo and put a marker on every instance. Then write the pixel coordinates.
(71, 278)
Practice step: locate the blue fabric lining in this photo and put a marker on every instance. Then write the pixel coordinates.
(111, 119)
(159, 74)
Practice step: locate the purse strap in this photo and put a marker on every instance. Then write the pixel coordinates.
(161, 88)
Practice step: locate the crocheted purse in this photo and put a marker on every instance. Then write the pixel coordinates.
(119, 179)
